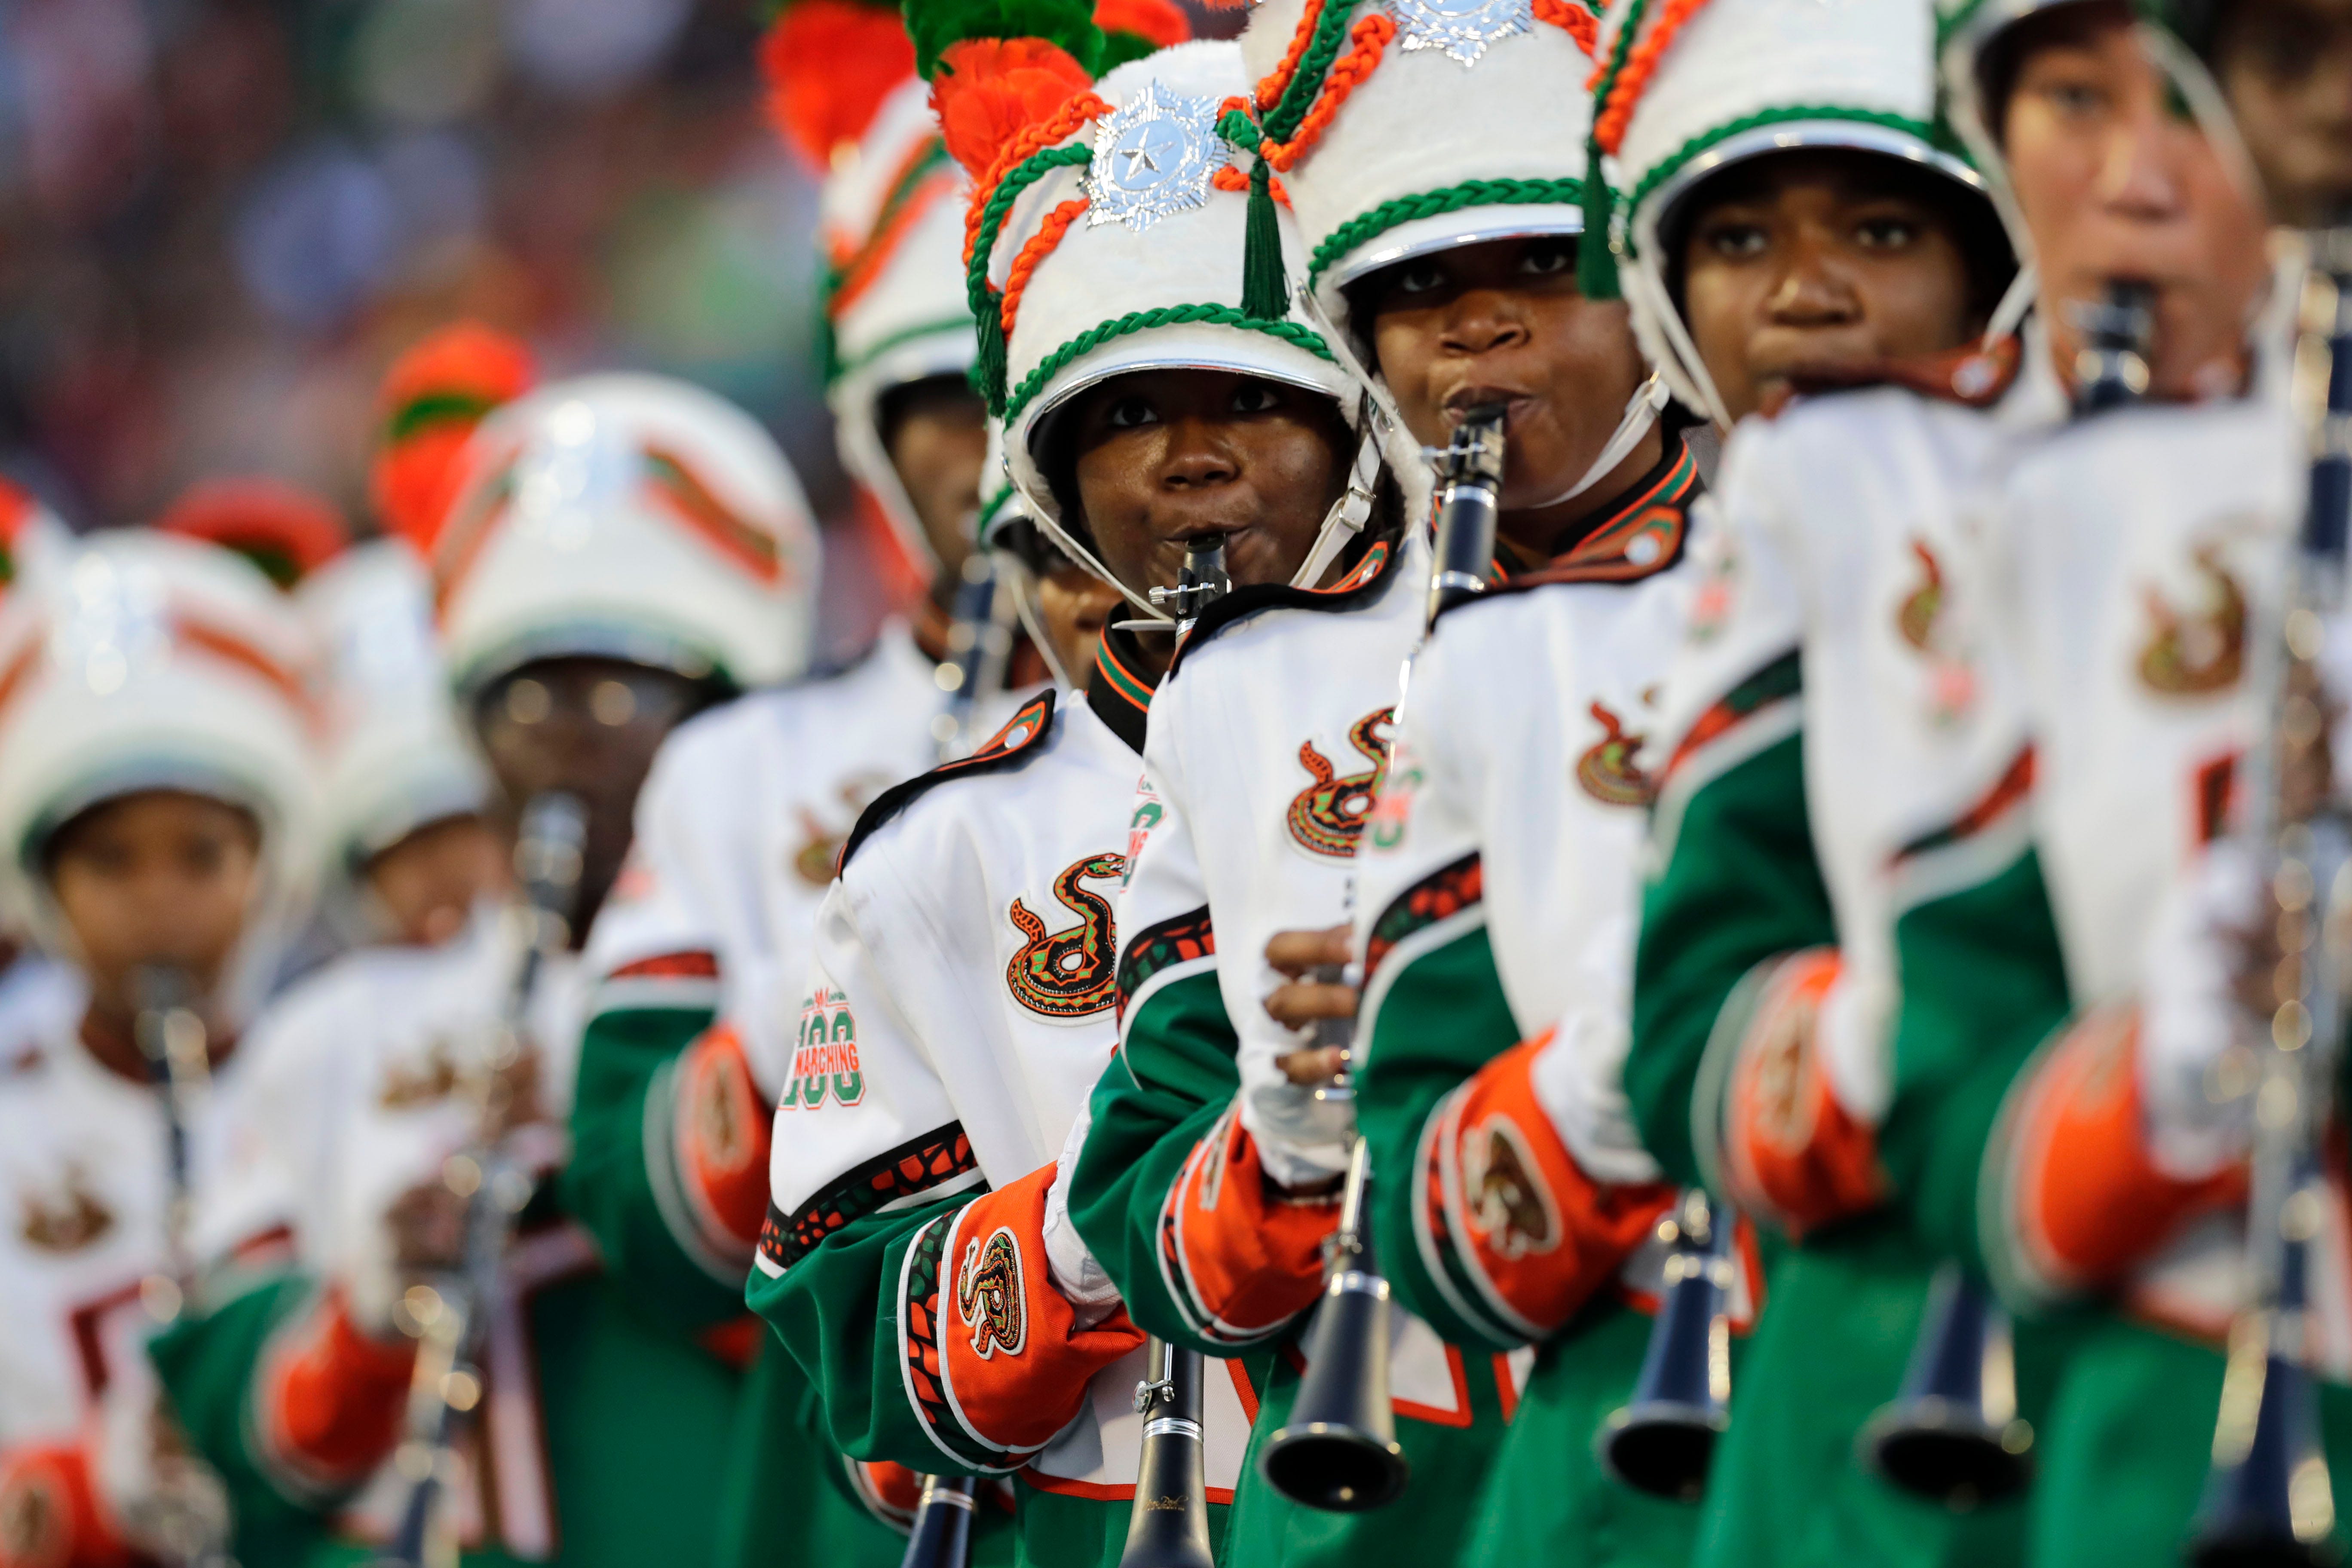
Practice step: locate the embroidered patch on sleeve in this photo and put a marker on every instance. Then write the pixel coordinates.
(1070, 974)
(1327, 818)
(824, 1055)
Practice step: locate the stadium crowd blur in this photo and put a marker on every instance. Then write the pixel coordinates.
(221, 219)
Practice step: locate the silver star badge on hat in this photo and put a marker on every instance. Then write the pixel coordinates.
(1462, 28)
(1154, 155)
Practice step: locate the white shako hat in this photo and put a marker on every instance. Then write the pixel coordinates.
(1130, 237)
(397, 758)
(628, 517)
(1428, 125)
(138, 660)
(892, 222)
(1739, 80)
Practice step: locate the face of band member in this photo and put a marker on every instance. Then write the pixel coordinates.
(935, 432)
(1168, 457)
(589, 727)
(2287, 68)
(2117, 183)
(159, 877)
(1803, 261)
(427, 883)
(1502, 322)
(1076, 606)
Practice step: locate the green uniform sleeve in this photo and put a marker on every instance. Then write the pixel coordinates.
(1735, 884)
(1436, 1014)
(206, 1365)
(1173, 1076)
(1984, 983)
(838, 1308)
(621, 1183)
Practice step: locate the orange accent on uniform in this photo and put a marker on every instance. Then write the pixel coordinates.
(723, 1134)
(1789, 1149)
(49, 1513)
(1017, 1396)
(1251, 1257)
(332, 1398)
(737, 1341)
(1543, 1234)
(895, 1486)
(2090, 1201)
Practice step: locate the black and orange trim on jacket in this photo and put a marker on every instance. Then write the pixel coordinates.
(930, 1160)
(1021, 735)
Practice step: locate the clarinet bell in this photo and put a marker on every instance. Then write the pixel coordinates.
(1953, 1434)
(2268, 1500)
(1170, 1526)
(941, 1537)
(1338, 1450)
(1662, 1441)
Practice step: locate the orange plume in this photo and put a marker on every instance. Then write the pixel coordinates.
(989, 90)
(828, 65)
(432, 397)
(283, 528)
(1158, 20)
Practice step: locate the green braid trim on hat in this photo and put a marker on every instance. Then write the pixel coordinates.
(1022, 176)
(1388, 215)
(1596, 263)
(1708, 140)
(1292, 332)
(1305, 83)
(946, 326)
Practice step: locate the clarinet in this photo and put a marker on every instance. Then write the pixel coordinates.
(1952, 1435)
(2267, 1498)
(1170, 1526)
(447, 1318)
(941, 1536)
(1338, 1451)
(173, 1039)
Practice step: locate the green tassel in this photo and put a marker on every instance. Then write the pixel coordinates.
(1265, 292)
(1596, 263)
(988, 367)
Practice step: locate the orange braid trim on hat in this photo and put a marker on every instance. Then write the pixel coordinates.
(1230, 178)
(1575, 21)
(1370, 39)
(1272, 86)
(1039, 246)
(1082, 108)
(1609, 126)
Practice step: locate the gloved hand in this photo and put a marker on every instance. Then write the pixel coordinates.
(2205, 1002)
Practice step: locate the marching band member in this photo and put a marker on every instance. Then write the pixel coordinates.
(1439, 174)
(617, 552)
(2088, 1139)
(919, 1260)
(158, 801)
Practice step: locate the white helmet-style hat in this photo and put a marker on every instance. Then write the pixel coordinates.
(843, 92)
(141, 660)
(397, 758)
(1402, 129)
(1119, 245)
(629, 517)
(1688, 90)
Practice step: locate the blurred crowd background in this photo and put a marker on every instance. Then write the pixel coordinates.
(221, 219)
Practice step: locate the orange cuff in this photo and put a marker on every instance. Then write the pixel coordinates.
(1790, 1152)
(723, 1132)
(1535, 1235)
(1243, 1257)
(331, 1398)
(49, 1516)
(2085, 1197)
(1015, 1362)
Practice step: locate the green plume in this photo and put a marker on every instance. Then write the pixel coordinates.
(934, 24)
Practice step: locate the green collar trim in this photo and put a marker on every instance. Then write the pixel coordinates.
(1345, 240)
(1707, 141)
(1094, 337)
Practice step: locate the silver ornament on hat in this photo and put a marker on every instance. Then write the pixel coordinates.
(1154, 156)
(1461, 29)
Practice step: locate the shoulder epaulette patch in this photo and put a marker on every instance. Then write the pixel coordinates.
(1644, 538)
(1020, 732)
(1359, 587)
(1976, 376)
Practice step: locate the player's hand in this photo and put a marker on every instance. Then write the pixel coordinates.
(1303, 1000)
